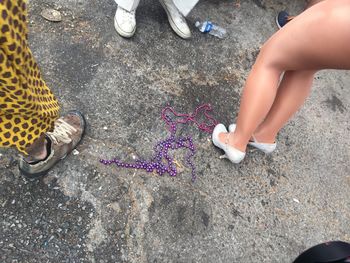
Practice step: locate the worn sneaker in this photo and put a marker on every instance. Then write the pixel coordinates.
(283, 18)
(176, 19)
(125, 22)
(68, 132)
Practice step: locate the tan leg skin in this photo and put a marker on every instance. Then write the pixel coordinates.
(37, 151)
(312, 2)
(292, 92)
(300, 50)
(308, 5)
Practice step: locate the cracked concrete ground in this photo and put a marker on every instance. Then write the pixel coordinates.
(267, 209)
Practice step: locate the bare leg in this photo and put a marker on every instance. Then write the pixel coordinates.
(258, 96)
(292, 92)
(292, 49)
(312, 2)
(308, 5)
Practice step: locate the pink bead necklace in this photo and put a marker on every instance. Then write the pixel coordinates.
(162, 162)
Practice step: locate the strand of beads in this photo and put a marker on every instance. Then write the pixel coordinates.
(162, 162)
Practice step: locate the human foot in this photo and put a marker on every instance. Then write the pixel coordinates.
(267, 147)
(176, 20)
(125, 22)
(220, 139)
(37, 151)
(65, 137)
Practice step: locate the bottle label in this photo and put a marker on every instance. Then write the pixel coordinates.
(208, 27)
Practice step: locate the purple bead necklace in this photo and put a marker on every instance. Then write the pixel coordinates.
(162, 162)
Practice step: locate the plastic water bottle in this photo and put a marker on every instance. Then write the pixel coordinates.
(210, 28)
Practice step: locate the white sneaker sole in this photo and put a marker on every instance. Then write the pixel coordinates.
(278, 25)
(122, 32)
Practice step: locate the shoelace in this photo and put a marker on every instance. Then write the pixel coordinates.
(61, 132)
(127, 16)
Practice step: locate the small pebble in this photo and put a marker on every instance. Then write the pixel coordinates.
(296, 200)
(51, 15)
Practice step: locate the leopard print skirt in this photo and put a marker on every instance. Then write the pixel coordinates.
(27, 106)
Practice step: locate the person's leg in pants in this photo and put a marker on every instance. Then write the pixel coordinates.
(128, 5)
(124, 19)
(185, 6)
(176, 11)
(28, 109)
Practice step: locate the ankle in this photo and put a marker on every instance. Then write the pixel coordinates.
(232, 140)
(37, 152)
(237, 142)
(41, 155)
(264, 136)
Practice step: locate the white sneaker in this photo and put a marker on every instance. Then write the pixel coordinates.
(264, 147)
(231, 153)
(176, 19)
(125, 22)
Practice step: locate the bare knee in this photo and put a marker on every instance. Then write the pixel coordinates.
(269, 59)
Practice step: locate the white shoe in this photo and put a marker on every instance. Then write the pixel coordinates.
(125, 22)
(265, 147)
(234, 155)
(176, 19)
